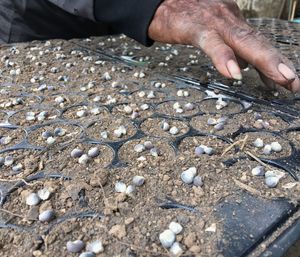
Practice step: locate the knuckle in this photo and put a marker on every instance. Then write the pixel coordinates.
(242, 34)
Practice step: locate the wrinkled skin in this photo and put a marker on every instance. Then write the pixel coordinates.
(219, 29)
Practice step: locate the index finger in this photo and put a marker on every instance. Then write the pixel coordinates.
(253, 47)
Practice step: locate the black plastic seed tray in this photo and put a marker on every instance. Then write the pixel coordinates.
(249, 220)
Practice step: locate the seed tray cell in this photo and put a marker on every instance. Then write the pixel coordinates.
(79, 113)
(11, 137)
(231, 214)
(60, 132)
(154, 127)
(70, 166)
(168, 109)
(33, 116)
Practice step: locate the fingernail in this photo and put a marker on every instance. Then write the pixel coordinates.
(234, 70)
(286, 72)
(296, 85)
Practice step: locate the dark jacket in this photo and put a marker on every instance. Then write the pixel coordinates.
(24, 20)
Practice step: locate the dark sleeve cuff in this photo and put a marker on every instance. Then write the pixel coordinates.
(130, 17)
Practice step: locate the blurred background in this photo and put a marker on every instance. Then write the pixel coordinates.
(284, 9)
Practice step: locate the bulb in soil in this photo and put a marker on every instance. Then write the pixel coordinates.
(104, 134)
(47, 134)
(208, 150)
(95, 111)
(199, 150)
(148, 145)
(176, 250)
(44, 194)
(130, 190)
(176, 106)
(258, 143)
(84, 159)
(93, 152)
(46, 216)
(211, 122)
(138, 180)
(198, 181)
(8, 161)
(139, 148)
(151, 95)
(128, 109)
(81, 113)
(165, 126)
(144, 107)
(33, 199)
(59, 132)
(267, 150)
(155, 152)
(219, 126)
(188, 176)
(51, 140)
(175, 227)
(276, 147)
(167, 238)
(258, 171)
(189, 107)
(271, 182)
(75, 246)
(76, 153)
(174, 131)
(120, 187)
(95, 247)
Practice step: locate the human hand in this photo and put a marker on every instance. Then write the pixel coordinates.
(219, 29)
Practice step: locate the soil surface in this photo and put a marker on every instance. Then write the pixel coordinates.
(117, 103)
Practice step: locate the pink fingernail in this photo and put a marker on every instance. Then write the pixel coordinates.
(234, 70)
(286, 72)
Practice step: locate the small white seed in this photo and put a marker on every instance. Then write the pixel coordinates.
(175, 227)
(258, 171)
(167, 238)
(33, 199)
(138, 180)
(276, 147)
(174, 131)
(139, 148)
(120, 187)
(84, 159)
(95, 247)
(75, 246)
(267, 150)
(259, 143)
(272, 182)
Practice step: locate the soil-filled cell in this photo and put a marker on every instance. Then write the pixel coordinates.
(62, 101)
(178, 108)
(166, 128)
(220, 106)
(54, 135)
(78, 159)
(20, 163)
(81, 113)
(149, 151)
(208, 148)
(265, 145)
(148, 96)
(110, 129)
(187, 94)
(18, 102)
(11, 137)
(33, 116)
(133, 110)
